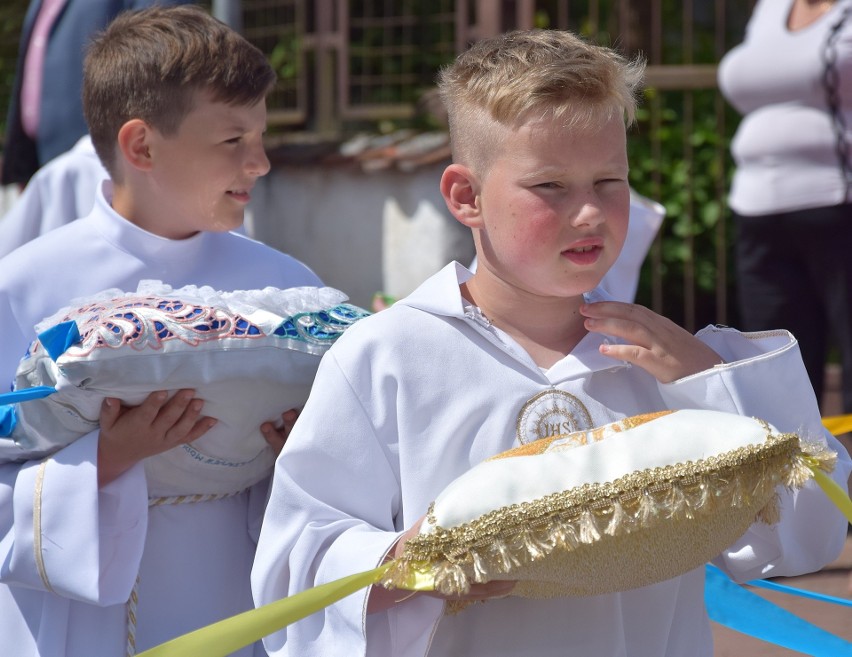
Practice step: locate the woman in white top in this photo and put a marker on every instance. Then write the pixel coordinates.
(791, 79)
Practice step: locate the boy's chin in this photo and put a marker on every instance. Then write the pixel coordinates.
(224, 225)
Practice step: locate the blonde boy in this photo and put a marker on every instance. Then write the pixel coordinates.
(175, 103)
(471, 365)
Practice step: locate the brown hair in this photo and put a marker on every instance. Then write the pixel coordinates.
(507, 78)
(149, 64)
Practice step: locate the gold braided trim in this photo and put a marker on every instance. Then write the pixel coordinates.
(645, 527)
(37, 547)
(191, 499)
(133, 601)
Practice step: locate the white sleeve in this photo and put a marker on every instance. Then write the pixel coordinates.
(61, 534)
(764, 377)
(333, 511)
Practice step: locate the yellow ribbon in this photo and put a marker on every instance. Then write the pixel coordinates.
(229, 635)
(833, 490)
(838, 424)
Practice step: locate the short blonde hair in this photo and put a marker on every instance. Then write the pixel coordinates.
(509, 78)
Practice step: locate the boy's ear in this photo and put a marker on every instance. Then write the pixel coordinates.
(133, 143)
(460, 189)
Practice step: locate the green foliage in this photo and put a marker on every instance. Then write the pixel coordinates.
(685, 164)
(285, 57)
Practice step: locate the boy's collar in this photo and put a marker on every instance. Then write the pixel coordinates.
(440, 294)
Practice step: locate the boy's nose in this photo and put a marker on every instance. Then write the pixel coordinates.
(588, 214)
(258, 163)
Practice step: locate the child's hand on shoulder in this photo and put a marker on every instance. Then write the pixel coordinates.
(131, 433)
(656, 344)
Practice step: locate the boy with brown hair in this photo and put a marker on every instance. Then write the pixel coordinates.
(470, 365)
(176, 106)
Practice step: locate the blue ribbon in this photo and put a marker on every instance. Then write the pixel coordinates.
(813, 595)
(743, 611)
(8, 420)
(58, 338)
(26, 394)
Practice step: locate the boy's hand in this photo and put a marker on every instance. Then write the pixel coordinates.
(277, 437)
(130, 434)
(381, 598)
(657, 344)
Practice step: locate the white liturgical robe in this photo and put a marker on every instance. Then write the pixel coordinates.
(68, 571)
(413, 397)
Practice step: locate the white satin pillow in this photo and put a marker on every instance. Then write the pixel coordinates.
(621, 506)
(250, 354)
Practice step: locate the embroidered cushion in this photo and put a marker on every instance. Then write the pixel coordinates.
(250, 354)
(621, 506)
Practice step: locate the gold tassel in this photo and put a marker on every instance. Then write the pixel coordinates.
(505, 561)
(676, 502)
(565, 532)
(545, 536)
(771, 513)
(531, 545)
(619, 521)
(647, 509)
(480, 570)
(450, 579)
(452, 607)
(736, 492)
(799, 472)
(588, 531)
(694, 496)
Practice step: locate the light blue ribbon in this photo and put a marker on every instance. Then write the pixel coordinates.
(8, 418)
(58, 338)
(743, 611)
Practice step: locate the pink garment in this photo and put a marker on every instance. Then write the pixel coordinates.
(34, 64)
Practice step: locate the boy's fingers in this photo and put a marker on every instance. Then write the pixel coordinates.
(110, 410)
(201, 426)
(150, 408)
(290, 417)
(275, 438)
(184, 425)
(170, 412)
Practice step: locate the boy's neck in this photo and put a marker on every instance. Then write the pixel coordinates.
(547, 328)
(125, 202)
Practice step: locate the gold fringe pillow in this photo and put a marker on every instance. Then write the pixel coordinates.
(625, 505)
(250, 354)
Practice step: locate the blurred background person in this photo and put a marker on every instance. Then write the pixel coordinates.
(791, 79)
(45, 115)
(60, 191)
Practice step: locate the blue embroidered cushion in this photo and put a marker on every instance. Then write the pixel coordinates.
(250, 354)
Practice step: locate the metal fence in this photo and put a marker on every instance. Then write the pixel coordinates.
(346, 63)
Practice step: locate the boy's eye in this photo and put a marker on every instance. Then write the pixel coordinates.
(233, 140)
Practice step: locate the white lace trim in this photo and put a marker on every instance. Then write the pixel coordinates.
(283, 302)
